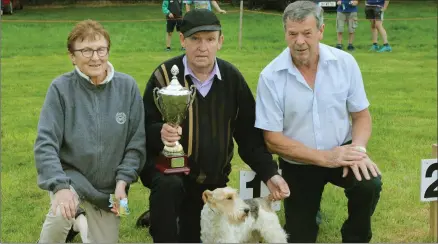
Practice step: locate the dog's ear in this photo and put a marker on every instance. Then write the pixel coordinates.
(206, 195)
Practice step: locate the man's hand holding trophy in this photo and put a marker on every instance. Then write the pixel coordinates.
(173, 101)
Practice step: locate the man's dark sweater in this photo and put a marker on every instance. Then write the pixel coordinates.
(226, 112)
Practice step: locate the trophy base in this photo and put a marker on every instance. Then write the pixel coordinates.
(172, 154)
(172, 164)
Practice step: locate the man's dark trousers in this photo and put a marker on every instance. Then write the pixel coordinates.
(172, 198)
(306, 183)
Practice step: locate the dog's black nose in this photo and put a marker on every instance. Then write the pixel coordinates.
(246, 210)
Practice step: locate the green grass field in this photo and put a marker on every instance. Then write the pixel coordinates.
(401, 87)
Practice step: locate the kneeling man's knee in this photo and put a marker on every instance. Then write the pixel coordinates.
(370, 187)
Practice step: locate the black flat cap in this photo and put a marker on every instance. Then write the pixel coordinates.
(197, 20)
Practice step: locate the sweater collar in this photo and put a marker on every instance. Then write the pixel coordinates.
(108, 78)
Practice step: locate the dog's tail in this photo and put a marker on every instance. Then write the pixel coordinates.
(269, 198)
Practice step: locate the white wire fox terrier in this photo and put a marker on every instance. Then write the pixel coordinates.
(226, 218)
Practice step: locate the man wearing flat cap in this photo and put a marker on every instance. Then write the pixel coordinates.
(223, 110)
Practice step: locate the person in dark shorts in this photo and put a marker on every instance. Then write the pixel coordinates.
(173, 11)
(374, 10)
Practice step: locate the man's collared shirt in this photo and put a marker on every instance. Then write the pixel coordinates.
(202, 87)
(317, 118)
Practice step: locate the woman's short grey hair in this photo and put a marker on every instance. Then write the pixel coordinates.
(300, 10)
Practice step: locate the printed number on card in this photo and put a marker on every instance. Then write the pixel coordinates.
(429, 180)
(251, 186)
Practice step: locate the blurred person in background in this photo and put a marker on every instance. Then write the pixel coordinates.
(346, 12)
(374, 10)
(173, 10)
(204, 5)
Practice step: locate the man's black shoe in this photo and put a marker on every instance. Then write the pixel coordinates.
(143, 220)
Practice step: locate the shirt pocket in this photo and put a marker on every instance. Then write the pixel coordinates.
(335, 104)
(335, 116)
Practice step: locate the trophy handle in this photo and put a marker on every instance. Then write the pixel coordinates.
(156, 97)
(192, 96)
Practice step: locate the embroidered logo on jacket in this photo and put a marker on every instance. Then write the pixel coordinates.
(121, 118)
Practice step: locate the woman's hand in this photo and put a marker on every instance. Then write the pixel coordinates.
(119, 194)
(67, 202)
(120, 191)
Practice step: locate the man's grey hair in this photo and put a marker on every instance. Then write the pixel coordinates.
(300, 10)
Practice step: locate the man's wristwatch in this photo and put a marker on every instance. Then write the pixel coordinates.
(362, 149)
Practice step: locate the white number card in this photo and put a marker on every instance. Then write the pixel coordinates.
(252, 186)
(429, 180)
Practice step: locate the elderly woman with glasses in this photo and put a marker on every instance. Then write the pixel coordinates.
(91, 139)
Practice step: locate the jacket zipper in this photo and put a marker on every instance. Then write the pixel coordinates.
(99, 143)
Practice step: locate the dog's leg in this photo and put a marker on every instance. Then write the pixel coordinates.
(81, 226)
(271, 230)
(226, 239)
